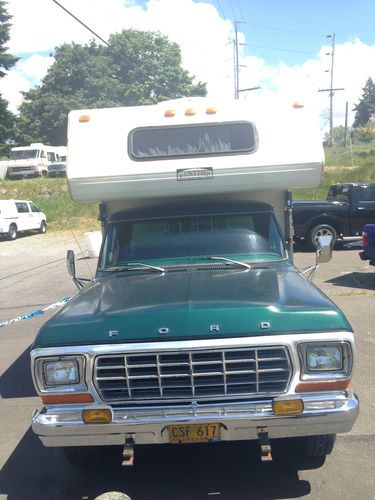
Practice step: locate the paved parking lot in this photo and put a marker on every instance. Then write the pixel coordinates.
(33, 275)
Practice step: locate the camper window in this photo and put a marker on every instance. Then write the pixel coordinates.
(153, 143)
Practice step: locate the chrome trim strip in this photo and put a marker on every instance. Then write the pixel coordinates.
(63, 426)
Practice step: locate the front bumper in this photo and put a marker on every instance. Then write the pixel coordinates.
(328, 413)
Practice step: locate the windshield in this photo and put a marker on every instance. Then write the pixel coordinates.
(24, 154)
(248, 237)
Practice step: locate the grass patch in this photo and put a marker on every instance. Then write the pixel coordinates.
(52, 197)
(356, 164)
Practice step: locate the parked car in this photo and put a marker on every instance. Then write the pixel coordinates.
(20, 215)
(368, 242)
(349, 206)
(57, 169)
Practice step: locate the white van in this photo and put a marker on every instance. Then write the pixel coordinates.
(20, 215)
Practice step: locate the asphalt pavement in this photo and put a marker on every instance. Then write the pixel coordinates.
(33, 276)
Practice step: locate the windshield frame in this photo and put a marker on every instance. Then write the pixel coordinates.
(188, 261)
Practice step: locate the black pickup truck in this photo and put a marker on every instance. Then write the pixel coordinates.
(349, 206)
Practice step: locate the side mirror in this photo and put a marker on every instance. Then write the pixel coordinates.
(71, 263)
(324, 249)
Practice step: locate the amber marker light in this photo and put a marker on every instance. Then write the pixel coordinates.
(84, 118)
(336, 385)
(288, 407)
(97, 416)
(211, 111)
(170, 112)
(298, 105)
(67, 399)
(190, 112)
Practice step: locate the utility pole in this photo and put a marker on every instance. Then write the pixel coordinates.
(236, 63)
(346, 125)
(331, 89)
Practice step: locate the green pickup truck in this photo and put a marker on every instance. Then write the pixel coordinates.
(197, 326)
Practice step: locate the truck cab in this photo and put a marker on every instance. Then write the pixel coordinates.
(197, 326)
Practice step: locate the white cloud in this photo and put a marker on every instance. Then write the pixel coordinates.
(206, 41)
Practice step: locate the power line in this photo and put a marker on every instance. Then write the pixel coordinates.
(220, 8)
(232, 9)
(128, 61)
(285, 30)
(81, 22)
(278, 49)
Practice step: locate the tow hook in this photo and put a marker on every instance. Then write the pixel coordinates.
(265, 444)
(128, 452)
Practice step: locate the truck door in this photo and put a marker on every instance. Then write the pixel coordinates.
(363, 208)
(35, 216)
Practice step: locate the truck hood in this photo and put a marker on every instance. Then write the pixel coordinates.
(192, 303)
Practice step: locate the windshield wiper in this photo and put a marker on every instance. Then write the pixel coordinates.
(129, 267)
(231, 261)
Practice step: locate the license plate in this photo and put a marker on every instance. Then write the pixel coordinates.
(194, 433)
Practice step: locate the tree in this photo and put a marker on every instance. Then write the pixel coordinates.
(364, 134)
(6, 62)
(338, 136)
(137, 68)
(366, 106)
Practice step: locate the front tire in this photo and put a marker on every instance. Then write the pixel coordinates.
(318, 446)
(320, 230)
(12, 233)
(43, 227)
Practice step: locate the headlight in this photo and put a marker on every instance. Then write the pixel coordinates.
(61, 372)
(325, 360)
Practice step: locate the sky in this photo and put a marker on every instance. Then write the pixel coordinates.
(285, 47)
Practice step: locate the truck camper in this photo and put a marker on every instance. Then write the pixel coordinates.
(197, 326)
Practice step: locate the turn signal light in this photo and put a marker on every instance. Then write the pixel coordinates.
(84, 118)
(97, 416)
(190, 112)
(336, 385)
(290, 407)
(298, 105)
(211, 111)
(364, 239)
(56, 399)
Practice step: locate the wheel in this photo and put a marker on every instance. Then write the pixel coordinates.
(83, 455)
(43, 227)
(318, 446)
(320, 230)
(12, 233)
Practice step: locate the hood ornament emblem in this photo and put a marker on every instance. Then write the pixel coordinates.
(265, 325)
(112, 333)
(214, 328)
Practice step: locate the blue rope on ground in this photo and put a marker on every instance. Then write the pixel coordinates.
(38, 312)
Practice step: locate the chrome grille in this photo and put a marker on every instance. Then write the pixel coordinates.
(208, 374)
